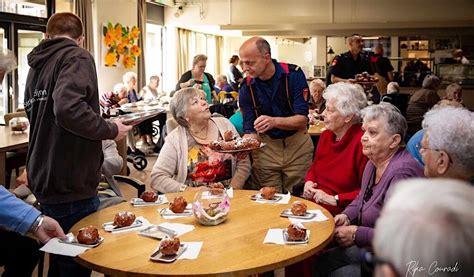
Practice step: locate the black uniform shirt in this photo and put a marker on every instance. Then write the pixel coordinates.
(344, 66)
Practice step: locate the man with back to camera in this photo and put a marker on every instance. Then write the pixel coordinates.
(66, 130)
(273, 101)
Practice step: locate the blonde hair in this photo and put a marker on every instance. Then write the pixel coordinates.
(198, 58)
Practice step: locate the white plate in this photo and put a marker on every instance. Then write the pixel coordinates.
(71, 239)
(288, 213)
(158, 257)
(262, 144)
(157, 232)
(258, 197)
(138, 202)
(168, 212)
(110, 227)
(285, 239)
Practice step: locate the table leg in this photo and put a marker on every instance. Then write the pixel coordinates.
(3, 156)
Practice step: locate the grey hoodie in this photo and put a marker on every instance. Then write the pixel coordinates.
(62, 104)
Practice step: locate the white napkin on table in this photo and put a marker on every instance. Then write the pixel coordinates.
(55, 247)
(179, 228)
(192, 250)
(285, 199)
(276, 236)
(145, 224)
(318, 218)
(169, 213)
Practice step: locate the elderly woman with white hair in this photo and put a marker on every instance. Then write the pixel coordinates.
(394, 97)
(185, 161)
(334, 178)
(420, 233)
(421, 102)
(447, 147)
(317, 103)
(384, 130)
(130, 80)
(454, 92)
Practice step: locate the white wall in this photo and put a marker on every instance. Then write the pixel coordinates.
(115, 11)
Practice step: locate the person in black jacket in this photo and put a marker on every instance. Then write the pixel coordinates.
(66, 130)
(196, 77)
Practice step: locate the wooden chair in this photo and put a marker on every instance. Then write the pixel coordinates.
(14, 159)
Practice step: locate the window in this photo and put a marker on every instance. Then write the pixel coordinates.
(154, 51)
(32, 8)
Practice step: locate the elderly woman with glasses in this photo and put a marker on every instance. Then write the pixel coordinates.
(185, 161)
(334, 178)
(384, 130)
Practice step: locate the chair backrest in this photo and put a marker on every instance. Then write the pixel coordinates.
(9, 116)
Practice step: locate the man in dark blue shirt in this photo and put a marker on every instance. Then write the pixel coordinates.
(273, 101)
(346, 65)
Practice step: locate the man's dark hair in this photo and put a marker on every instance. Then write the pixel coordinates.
(64, 24)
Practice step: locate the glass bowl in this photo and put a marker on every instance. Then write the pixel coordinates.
(19, 124)
(211, 208)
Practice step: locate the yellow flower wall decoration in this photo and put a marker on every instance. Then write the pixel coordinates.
(121, 44)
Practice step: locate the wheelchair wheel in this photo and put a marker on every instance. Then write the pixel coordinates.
(155, 131)
(139, 162)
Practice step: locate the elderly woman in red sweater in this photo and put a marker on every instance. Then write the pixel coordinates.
(334, 178)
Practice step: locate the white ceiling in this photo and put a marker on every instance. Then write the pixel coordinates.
(302, 18)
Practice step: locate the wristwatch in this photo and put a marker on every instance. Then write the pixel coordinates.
(336, 197)
(35, 226)
(182, 187)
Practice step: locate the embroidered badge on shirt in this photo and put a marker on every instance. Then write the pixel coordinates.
(305, 94)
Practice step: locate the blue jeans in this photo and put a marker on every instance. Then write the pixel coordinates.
(67, 215)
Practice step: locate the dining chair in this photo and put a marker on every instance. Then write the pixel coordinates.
(14, 159)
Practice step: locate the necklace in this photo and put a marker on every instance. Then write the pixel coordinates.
(200, 137)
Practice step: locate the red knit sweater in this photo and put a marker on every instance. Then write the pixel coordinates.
(338, 166)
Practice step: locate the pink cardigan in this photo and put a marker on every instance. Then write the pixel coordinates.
(170, 171)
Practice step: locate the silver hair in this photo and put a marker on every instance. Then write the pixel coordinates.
(119, 87)
(7, 60)
(451, 89)
(179, 104)
(452, 129)
(349, 99)
(129, 76)
(393, 87)
(431, 82)
(221, 78)
(427, 221)
(393, 120)
(317, 82)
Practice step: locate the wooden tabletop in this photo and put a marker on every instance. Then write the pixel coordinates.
(12, 140)
(234, 247)
(316, 129)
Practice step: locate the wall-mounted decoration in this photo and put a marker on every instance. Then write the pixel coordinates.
(120, 45)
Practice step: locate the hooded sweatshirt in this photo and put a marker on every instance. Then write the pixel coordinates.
(62, 104)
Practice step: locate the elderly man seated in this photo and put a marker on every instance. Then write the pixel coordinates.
(425, 229)
(447, 147)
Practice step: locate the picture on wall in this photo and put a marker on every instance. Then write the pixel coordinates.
(120, 45)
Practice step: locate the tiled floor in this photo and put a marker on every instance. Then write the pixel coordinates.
(128, 192)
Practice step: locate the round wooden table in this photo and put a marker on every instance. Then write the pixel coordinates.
(316, 130)
(234, 247)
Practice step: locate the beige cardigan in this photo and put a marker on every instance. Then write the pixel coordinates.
(170, 170)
